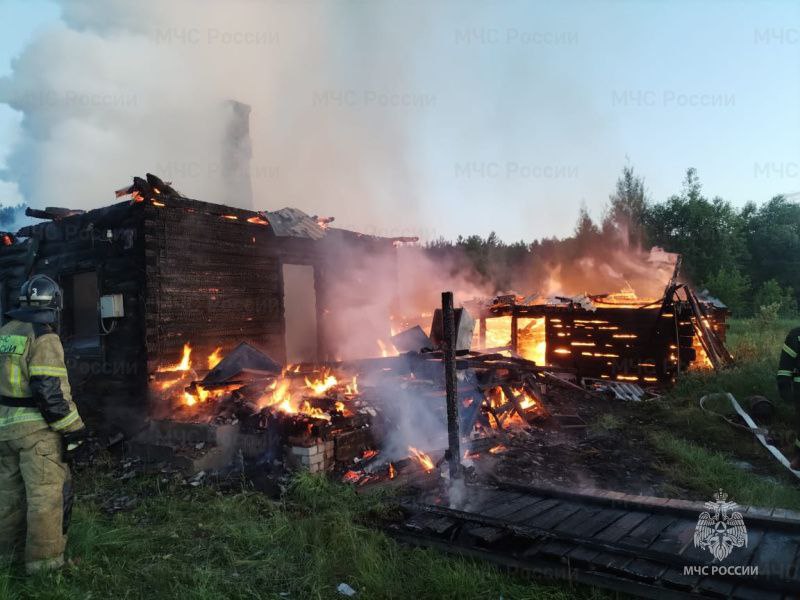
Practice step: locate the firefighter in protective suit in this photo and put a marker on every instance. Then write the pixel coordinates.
(789, 384)
(38, 425)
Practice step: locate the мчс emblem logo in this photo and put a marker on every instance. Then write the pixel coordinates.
(720, 529)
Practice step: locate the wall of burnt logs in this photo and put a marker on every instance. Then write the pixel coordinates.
(92, 254)
(188, 272)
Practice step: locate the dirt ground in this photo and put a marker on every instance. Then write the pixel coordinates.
(605, 452)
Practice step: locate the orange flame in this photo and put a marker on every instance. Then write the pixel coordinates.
(184, 365)
(392, 472)
(387, 349)
(499, 449)
(423, 459)
(323, 384)
(214, 358)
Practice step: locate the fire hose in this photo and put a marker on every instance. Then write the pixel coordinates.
(757, 431)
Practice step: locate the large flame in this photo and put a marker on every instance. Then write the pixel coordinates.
(184, 365)
(423, 459)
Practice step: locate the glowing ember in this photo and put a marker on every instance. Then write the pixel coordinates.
(423, 459)
(369, 454)
(392, 472)
(351, 477)
(527, 400)
(499, 449)
(258, 221)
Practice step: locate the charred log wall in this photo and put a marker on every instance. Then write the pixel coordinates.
(107, 372)
(627, 344)
(213, 280)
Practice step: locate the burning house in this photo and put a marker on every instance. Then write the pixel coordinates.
(191, 325)
(615, 337)
(159, 275)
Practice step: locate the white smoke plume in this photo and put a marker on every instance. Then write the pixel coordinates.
(122, 88)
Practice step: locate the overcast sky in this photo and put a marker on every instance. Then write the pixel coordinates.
(478, 115)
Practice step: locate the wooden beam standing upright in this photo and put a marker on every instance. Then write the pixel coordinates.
(449, 347)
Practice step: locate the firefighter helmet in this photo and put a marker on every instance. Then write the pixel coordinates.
(41, 292)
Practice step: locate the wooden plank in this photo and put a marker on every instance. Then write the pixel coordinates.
(648, 530)
(488, 499)
(524, 500)
(498, 505)
(717, 586)
(528, 512)
(674, 577)
(579, 519)
(554, 516)
(643, 569)
(776, 554)
(621, 527)
(600, 521)
(675, 537)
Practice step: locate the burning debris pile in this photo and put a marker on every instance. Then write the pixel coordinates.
(367, 418)
(374, 419)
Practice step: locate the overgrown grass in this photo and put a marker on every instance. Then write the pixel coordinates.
(701, 451)
(195, 543)
(706, 471)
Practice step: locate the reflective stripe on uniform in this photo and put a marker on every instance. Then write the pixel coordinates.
(783, 373)
(21, 415)
(797, 442)
(789, 351)
(15, 378)
(65, 421)
(796, 379)
(44, 370)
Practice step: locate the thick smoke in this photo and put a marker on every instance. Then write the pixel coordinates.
(133, 87)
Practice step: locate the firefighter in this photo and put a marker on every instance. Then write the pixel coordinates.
(789, 384)
(39, 428)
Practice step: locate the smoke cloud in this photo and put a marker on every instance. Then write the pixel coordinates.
(134, 87)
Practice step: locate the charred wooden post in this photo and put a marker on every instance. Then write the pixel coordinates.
(451, 383)
(482, 333)
(514, 331)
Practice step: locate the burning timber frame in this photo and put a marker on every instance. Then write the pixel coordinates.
(146, 276)
(647, 344)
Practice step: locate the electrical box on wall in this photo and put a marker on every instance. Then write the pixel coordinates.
(111, 306)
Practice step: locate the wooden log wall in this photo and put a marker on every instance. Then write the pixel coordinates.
(213, 280)
(620, 344)
(108, 382)
(639, 345)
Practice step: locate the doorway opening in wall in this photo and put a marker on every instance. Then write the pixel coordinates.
(300, 313)
(80, 325)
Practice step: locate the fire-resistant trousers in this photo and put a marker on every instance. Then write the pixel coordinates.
(34, 482)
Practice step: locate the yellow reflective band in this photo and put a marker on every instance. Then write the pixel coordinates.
(16, 379)
(47, 371)
(21, 415)
(789, 351)
(13, 344)
(783, 373)
(66, 421)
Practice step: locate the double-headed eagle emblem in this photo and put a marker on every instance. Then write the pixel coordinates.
(719, 529)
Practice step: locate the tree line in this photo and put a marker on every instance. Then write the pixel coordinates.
(748, 257)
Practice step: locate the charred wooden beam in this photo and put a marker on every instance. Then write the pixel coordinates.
(451, 384)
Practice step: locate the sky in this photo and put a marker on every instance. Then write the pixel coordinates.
(416, 118)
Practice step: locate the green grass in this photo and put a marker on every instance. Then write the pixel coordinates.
(701, 451)
(706, 471)
(195, 543)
